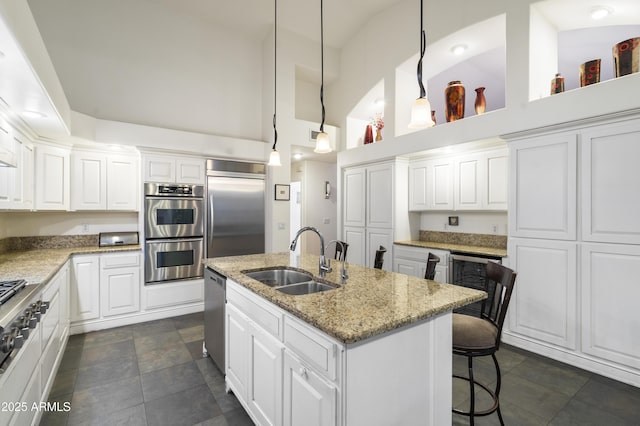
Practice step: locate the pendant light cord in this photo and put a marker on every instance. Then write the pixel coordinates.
(322, 66)
(275, 69)
(423, 47)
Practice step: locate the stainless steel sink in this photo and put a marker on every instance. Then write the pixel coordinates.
(305, 288)
(289, 281)
(279, 277)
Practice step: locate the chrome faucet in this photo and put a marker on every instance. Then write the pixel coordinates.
(323, 266)
(343, 270)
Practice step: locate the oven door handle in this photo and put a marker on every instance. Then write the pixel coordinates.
(175, 240)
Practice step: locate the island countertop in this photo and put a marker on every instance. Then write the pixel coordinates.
(371, 302)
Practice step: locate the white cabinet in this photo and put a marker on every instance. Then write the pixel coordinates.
(103, 181)
(544, 301)
(376, 237)
(119, 284)
(354, 195)
(23, 177)
(543, 191)
(356, 238)
(476, 181)
(610, 293)
(308, 398)
(85, 288)
(610, 176)
(236, 350)
(52, 178)
(413, 261)
(172, 169)
(379, 196)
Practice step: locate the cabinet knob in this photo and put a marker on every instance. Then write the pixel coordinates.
(303, 372)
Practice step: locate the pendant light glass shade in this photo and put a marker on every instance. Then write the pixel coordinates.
(274, 159)
(323, 145)
(421, 114)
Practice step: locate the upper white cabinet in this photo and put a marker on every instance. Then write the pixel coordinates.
(103, 181)
(476, 181)
(52, 178)
(172, 169)
(354, 180)
(16, 183)
(610, 176)
(543, 187)
(379, 196)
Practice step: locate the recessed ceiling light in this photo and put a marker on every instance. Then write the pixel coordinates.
(297, 156)
(33, 114)
(459, 49)
(600, 12)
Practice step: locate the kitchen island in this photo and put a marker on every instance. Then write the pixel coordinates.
(375, 350)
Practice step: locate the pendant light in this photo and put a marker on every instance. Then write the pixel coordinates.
(323, 145)
(421, 110)
(274, 157)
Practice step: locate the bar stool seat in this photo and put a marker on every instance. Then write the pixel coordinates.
(473, 333)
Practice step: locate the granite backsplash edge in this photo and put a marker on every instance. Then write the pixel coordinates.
(479, 240)
(47, 242)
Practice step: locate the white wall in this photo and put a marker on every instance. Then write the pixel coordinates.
(21, 224)
(469, 222)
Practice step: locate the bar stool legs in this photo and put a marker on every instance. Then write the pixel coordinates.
(472, 413)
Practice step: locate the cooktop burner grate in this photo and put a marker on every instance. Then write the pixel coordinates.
(10, 288)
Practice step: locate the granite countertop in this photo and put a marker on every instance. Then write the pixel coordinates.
(371, 302)
(463, 248)
(38, 266)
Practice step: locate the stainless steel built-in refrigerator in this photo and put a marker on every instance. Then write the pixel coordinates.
(234, 208)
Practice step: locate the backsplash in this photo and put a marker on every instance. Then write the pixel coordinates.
(480, 240)
(47, 242)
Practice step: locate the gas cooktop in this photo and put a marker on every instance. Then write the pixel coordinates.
(9, 288)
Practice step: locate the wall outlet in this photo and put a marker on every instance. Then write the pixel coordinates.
(494, 229)
(85, 228)
(326, 221)
(281, 226)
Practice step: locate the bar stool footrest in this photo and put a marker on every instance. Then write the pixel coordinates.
(492, 394)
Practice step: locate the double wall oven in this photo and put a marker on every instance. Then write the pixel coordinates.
(174, 230)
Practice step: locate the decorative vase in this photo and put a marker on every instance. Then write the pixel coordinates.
(481, 103)
(433, 117)
(378, 135)
(557, 84)
(626, 56)
(368, 135)
(454, 101)
(590, 72)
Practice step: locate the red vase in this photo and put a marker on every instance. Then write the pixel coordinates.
(368, 135)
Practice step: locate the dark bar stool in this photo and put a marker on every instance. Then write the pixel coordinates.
(430, 272)
(379, 260)
(341, 254)
(475, 337)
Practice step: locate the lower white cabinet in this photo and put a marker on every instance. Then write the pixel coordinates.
(309, 399)
(236, 349)
(105, 286)
(363, 243)
(413, 261)
(119, 284)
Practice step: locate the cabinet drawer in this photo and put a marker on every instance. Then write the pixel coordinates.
(257, 310)
(419, 254)
(311, 346)
(119, 260)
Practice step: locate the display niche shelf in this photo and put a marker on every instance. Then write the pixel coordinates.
(559, 42)
(371, 104)
(481, 64)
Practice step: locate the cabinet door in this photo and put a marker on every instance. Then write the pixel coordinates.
(7, 174)
(85, 288)
(88, 181)
(119, 291)
(418, 186)
(52, 186)
(409, 267)
(442, 274)
(159, 169)
(440, 184)
(237, 351)
(468, 190)
(265, 376)
(542, 198)
(543, 305)
(308, 399)
(375, 239)
(611, 201)
(355, 237)
(23, 177)
(379, 204)
(354, 196)
(122, 183)
(610, 294)
(496, 179)
(64, 299)
(190, 170)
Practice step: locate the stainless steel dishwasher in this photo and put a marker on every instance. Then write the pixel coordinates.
(214, 301)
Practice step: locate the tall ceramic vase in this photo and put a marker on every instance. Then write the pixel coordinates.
(626, 56)
(368, 134)
(481, 103)
(590, 72)
(454, 101)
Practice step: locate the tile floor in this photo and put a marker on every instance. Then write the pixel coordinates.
(154, 374)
